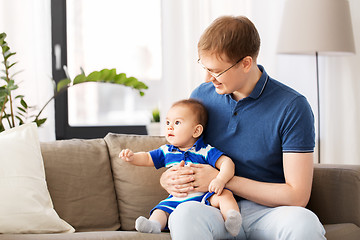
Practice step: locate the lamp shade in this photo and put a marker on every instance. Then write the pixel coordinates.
(310, 26)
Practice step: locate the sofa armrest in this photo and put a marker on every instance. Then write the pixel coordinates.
(335, 196)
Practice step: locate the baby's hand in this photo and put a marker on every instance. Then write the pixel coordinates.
(216, 186)
(126, 155)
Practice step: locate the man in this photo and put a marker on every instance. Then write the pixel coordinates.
(267, 129)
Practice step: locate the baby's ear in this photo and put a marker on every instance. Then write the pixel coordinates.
(198, 130)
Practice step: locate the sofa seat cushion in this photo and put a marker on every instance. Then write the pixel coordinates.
(343, 231)
(103, 235)
(138, 188)
(80, 183)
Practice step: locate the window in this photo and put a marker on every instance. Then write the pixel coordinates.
(92, 35)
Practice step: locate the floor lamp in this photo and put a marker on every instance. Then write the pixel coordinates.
(316, 27)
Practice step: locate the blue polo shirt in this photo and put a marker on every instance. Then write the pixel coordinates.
(255, 131)
(169, 155)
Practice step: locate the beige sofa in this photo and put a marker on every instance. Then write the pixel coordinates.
(101, 196)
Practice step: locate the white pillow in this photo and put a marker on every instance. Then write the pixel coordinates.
(25, 203)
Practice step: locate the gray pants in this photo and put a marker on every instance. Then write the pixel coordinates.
(193, 220)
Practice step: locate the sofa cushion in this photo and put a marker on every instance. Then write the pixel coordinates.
(80, 182)
(103, 235)
(343, 231)
(138, 188)
(25, 203)
(330, 195)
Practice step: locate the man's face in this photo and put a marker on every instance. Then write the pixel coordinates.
(226, 82)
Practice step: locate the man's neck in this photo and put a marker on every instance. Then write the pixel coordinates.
(251, 81)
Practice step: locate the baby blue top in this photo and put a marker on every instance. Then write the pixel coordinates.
(255, 131)
(169, 155)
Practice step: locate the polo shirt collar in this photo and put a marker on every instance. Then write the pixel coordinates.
(197, 145)
(260, 85)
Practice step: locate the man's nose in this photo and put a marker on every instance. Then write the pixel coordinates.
(209, 77)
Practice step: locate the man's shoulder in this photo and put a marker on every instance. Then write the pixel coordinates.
(284, 89)
(206, 87)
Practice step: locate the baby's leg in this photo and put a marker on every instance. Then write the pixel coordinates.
(229, 210)
(154, 224)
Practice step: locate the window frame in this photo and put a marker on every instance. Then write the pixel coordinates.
(62, 128)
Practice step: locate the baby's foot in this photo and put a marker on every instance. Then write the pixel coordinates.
(233, 222)
(145, 225)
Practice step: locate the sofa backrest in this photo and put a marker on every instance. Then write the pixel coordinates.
(335, 195)
(80, 182)
(138, 189)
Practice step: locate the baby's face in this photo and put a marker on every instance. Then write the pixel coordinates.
(180, 126)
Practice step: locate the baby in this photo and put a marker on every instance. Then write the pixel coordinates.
(185, 123)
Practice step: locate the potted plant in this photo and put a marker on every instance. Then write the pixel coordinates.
(15, 111)
(153, 128)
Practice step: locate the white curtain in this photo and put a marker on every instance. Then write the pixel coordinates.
(184, 22)
(27, 24)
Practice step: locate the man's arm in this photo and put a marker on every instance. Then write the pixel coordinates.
(298, 171)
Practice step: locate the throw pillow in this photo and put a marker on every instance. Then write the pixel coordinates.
(25, 203)
(138, 188)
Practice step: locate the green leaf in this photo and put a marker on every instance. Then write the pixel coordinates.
(23, 103)
(63, 84)
(130, 81)
(2, 36)
(8, 54)
(93, 77)
(40, 122)
(120, 78)
(109, 75)
(140, 85)
(22, 109)
(21, 121)
(79, 79)
(12, 86)
(21, 113)
(5, 48)
(12, 65)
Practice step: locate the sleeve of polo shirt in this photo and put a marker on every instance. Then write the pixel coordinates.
(158, 157)
(213, 155)
(298, 130)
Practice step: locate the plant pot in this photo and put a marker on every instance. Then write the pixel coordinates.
(153, 129)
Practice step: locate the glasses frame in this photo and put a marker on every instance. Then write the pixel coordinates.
(216, 76)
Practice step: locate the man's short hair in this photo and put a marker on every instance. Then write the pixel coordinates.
(234, 37)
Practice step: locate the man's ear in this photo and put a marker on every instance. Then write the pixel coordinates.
(247, 63)
(198, 130)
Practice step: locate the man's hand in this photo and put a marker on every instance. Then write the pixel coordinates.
(178, 180)
(203, 175)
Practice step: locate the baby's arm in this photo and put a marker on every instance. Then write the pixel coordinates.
(227, 170)
(138, 159)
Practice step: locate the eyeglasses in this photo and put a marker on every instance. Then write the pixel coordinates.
(219, 74)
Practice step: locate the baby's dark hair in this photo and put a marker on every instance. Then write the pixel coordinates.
(197, 107)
